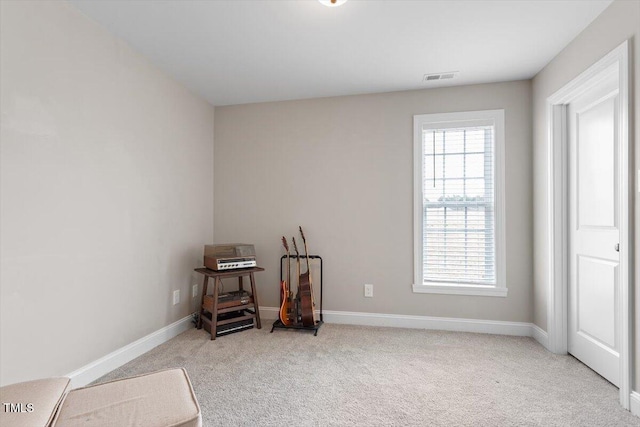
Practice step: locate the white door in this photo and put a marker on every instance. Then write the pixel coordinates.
(594, 226)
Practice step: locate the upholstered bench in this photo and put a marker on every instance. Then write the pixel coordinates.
(159, 399)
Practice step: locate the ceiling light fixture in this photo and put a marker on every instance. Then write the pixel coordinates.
(332, 3)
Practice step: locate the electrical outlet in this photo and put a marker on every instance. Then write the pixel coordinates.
(194, 291)
(176, 297)
(368, 290)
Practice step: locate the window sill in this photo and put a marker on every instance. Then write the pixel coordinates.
(439, 288)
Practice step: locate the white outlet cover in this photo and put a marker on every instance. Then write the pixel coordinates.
(176, 297)
(368, 290)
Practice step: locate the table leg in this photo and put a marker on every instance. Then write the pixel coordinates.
(240, 288)
(214, 316)
(204, 292)
(255, 301)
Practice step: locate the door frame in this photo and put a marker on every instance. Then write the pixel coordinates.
(557, 179)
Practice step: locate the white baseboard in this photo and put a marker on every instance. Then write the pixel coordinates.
(497, 327)
(428, 322)
(113, 360)
(635, 403)
(539, 335)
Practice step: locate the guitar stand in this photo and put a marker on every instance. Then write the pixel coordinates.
(278, 323)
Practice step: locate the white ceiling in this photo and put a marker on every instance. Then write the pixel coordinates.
(243, 51)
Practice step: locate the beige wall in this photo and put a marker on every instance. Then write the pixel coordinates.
(619, 22)
(342, 168)
(106, 192)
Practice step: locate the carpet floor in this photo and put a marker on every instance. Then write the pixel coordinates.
(370, 376)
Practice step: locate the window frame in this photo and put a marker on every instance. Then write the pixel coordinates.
(451, 120)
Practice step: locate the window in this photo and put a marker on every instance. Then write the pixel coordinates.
(459, 203)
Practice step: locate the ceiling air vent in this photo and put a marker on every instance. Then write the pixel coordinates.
(439, 76)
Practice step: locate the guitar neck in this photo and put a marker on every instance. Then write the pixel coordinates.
(293, 239)
(288, 269)
(306, 253)
(286, 247)
(306, 250)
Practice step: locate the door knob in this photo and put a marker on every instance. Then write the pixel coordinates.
(617, 247)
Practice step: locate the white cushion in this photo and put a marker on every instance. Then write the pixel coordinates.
(35, 401)
(160, 399)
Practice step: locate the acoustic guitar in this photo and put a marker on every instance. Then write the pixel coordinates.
(285, 290)
(306, 291)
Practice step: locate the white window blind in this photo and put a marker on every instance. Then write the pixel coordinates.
(458, 220)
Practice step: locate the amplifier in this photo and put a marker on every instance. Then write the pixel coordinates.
(229, 263)
(229, 256)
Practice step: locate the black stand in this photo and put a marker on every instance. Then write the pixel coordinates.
(278, 323)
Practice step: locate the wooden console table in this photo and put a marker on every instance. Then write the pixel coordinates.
(212, 306)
